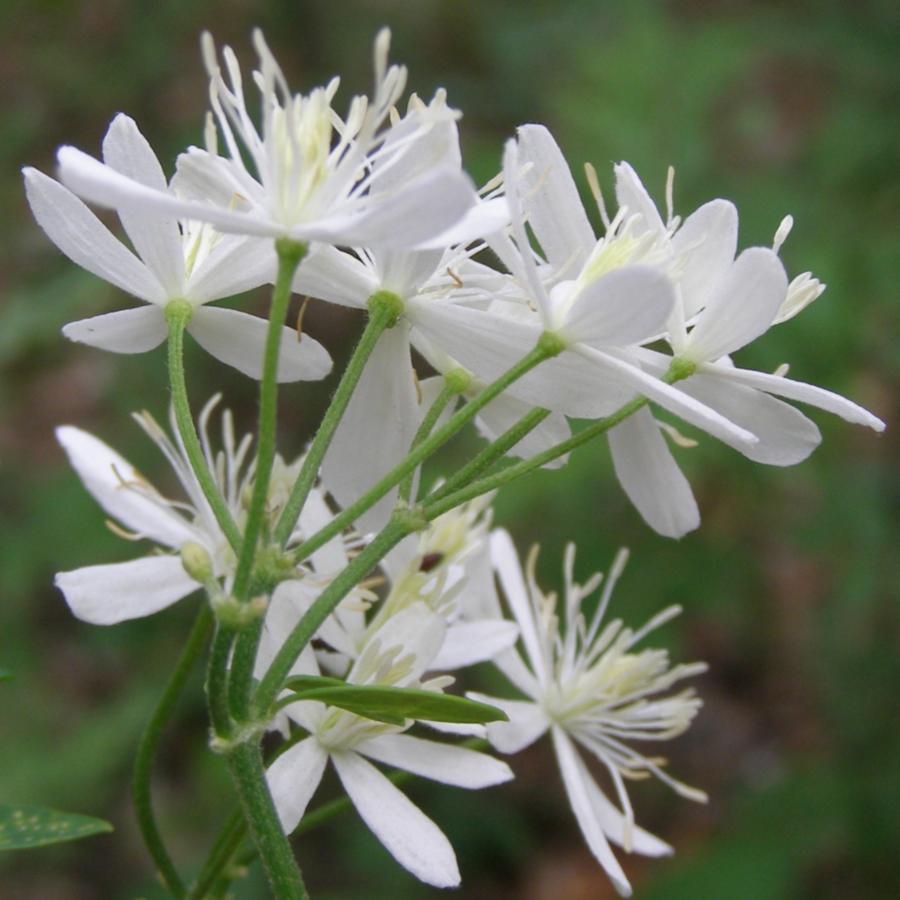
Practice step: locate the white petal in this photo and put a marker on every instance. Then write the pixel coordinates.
(335, 276)
(706, 245)
(293, 779)
(742, 306)
(485, 218)
(126, 331)
(121, 490)
(526, 724)
(157, 239)
(235, 265)
(86, 240)
(631, 193)
(238, 339)
(403, 271)
(786, 436)
(807, 393)
(505, 411)
(407, 833)
(467, 643)
(105, 595)
(382, 417)
(551, 201)
(445, 763)
(650, 476)
(627, 306)
(585, 813)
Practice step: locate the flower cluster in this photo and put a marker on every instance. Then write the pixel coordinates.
(337, 580)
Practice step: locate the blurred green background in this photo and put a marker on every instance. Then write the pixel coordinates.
(789, 587)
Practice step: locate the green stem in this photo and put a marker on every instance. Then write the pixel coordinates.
(448, 392)
(384, 309)
(361, 565)
(227, 844)
(178, 314)
(247, 770)
(217, 681)
(545, 349)
(240, 676)
(290, 254)
(149, 744)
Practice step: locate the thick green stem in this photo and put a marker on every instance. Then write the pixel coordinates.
(545, 349)
(217, 681)
(290, 254)
(240, 677)
(178, 314)
(149, 744)
(247, 770)
(384, 309)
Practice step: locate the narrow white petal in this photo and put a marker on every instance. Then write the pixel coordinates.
(585, 813)
(706, 245)
(105, 595)
(293, 779)
(419, 632)
(382, 417)
(238, 339)
(126, 331)
(551, 201)
(467, 643)
(742, 306)
(526, 724)
(406, 832)
(335, 276)
(121, 490)
(86, 240)
(626, 306)
(631, 193)
(786, 436)
(807, 393)
(446, 763)
(235, 265)
(650, 476)
(157, 239)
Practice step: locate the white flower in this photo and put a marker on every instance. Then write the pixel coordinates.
(313, 176)
(188, 262)
(107, 594)
(396, 655)
(588, 686)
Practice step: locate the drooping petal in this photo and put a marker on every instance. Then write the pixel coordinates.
(650, 476)
(335, 276)
(293, 779)
(157, 239)
(526, 724)
(126, 331)
(741, 307)
(585, 813)
(382, 417)
(705, 244)
(238, 339)
(807, 393)
(552, 204)
(86, 240)
(626, 306)
(786, 436)
(235, 265)
(445, 763)
(121, 490)
(631, 193)
(406, 832)
(105, 595)
(467, 643)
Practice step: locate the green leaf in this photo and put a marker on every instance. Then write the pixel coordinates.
(36, 826)
(392, 704)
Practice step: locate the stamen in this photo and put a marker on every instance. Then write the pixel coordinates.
(594, 184)
(784, 229)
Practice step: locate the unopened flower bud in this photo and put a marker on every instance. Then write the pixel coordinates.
(196, 562)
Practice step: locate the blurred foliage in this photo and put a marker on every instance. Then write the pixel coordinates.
(789, 587)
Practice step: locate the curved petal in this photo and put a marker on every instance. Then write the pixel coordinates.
(293, 779)
(238, 339)
(526, 724)
(105, 595)
(742, 306)
(552, 203)
(706, 244)
(126, 331)
(786, 436)
(445, 763)
(335, 276)
(467, 643)
(121, 490)
(86, 240)
(632, 195)
(585, 813)
(157, 239)
(406, 832)
(626, 306)
(382, 417)
(235, 265)
(485, 218)
(650, 476)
